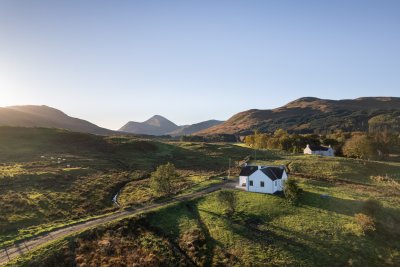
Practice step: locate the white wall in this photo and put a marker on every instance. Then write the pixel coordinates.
(258, 177)
(328, 153)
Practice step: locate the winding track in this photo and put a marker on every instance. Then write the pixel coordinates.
(21, 248)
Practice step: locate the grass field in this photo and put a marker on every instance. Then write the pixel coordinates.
(50, 177)
(264, 231)
(38, 193)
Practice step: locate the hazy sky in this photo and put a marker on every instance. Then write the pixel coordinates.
(114, 61)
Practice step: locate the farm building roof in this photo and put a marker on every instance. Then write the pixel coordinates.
(319, 148)
(248, 170)
(273, 173)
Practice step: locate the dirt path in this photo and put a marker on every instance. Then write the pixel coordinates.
(19, 249)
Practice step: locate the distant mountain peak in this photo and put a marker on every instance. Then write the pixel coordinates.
(159, 125)
(160, 121)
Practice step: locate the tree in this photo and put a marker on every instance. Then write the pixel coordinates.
(291, 191)
(359, 146)
(161, 181)
(228, 199)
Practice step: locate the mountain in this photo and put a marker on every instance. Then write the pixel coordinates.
(158, 125)
(310, 115)
(190, 129)
(44, 116)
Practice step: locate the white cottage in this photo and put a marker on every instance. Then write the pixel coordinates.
(319, 150)
(262, 179)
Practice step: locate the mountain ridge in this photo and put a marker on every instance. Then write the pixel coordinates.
(48, 117)
(309, 115)
(159, 125)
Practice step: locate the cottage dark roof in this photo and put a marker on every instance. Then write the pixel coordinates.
(319, 148)
(248, 170)
(273, 173)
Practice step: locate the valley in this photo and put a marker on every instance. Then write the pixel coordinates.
(54, 180)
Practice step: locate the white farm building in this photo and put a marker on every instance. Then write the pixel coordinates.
(319, 150)
(262, 179)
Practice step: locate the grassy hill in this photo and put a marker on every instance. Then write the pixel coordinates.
(264, 229)
(44, 116)
(308, 115)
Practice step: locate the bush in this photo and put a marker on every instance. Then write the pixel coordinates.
(365, 222)
(228, 199)
(291, 191)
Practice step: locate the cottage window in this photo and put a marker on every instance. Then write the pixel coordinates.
(276, 183)
(261, 184)
(251, 183)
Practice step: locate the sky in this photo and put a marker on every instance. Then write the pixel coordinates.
(110, 62)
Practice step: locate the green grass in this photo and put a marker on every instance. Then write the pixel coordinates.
(334, 168)
(264, 231)
(50, 177)
(38, 194)
(267, 230)
(139, 193)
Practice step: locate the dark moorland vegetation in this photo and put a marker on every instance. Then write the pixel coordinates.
(50, 177)
(346, 215)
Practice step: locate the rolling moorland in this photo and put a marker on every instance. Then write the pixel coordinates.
(50, 178)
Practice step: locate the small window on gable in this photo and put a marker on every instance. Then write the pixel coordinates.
(276, 183)
(262, 184)
(251, 183)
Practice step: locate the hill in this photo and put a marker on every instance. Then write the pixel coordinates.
(158, 125)
(310, 115)
(190, 129)
(44, 116)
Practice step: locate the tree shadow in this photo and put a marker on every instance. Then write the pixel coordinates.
(330, 203)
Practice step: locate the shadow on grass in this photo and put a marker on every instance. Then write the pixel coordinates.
(329, 203)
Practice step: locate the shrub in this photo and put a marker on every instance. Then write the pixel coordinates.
(291, 191)
(365, 222)
(228, 199)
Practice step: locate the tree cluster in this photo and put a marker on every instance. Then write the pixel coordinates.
(282, 140)
(378, 143)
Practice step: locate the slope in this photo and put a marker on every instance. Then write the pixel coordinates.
(309, 115)
(44, 116)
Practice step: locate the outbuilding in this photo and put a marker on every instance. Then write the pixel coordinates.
(319, 150)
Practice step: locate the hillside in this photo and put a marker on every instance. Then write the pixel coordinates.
(158, 125)
(264, 230)
(44, 116)
(52, 177)
(309, 115)
(190, 129)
